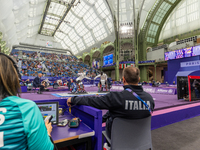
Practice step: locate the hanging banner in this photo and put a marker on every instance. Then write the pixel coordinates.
(49, 44)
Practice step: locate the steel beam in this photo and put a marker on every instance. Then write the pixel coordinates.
(44, 15)
(63, 17)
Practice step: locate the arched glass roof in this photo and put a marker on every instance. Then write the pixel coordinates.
(162, 8)
(20, 19)
(126, 9)
(184, 18)
(80, 25)
(83, 25)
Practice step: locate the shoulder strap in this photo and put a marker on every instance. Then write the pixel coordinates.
(137, 96)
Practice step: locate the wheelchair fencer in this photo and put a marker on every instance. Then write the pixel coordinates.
(103, 82)
(73, 87)
(80, 88)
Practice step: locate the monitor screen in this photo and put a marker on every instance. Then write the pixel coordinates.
(105, 62)
(194, 89)
(196, 50)
(111, 56)
(72, 123)
(108, 59)
(105, 58)
(182, 53)
(167, 56)
(172, 55)
(188, 52)
(49, 108)
(179, 54)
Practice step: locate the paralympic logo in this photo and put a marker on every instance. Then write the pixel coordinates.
(49, 44)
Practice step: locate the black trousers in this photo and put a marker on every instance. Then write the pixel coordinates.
(41, 88)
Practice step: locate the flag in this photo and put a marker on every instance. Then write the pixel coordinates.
(132, 65)
(120, 66)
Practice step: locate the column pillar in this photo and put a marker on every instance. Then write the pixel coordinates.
(117, 45)
(155, 79)
(143, 73)
(101, 61)
(91, 60)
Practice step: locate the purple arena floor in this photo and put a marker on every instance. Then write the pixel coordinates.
(161, 100)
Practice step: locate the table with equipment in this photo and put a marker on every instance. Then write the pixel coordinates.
(91, 119)
(66, 136)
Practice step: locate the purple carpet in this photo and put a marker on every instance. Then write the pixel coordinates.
(161, 100)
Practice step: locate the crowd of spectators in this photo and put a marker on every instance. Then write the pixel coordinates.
(25, 54)
(28, 55)
(66, 57)
(43, 56)
(50, 66)
(31, 68)
(14, 53)
(50, 56)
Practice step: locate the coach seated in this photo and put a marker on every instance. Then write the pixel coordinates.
(37, 83)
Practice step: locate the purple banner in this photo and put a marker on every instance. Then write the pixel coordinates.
(170, 91)
(117, 88)
(149, 89)
(160, 90)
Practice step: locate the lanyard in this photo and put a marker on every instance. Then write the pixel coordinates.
(137, 96)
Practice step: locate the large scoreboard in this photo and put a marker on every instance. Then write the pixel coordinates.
(182, 53)
(108, 59)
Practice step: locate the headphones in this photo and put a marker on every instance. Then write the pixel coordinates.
(14, 64)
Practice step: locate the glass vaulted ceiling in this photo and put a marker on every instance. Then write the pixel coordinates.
(161, 12)
(184, 18)
(126, 9)
(84, 25)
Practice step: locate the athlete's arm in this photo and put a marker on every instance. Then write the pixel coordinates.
(97, 76)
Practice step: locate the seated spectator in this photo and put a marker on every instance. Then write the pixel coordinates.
(25, 127)
(37, 83)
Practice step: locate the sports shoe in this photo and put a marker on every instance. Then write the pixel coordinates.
(106, 147)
